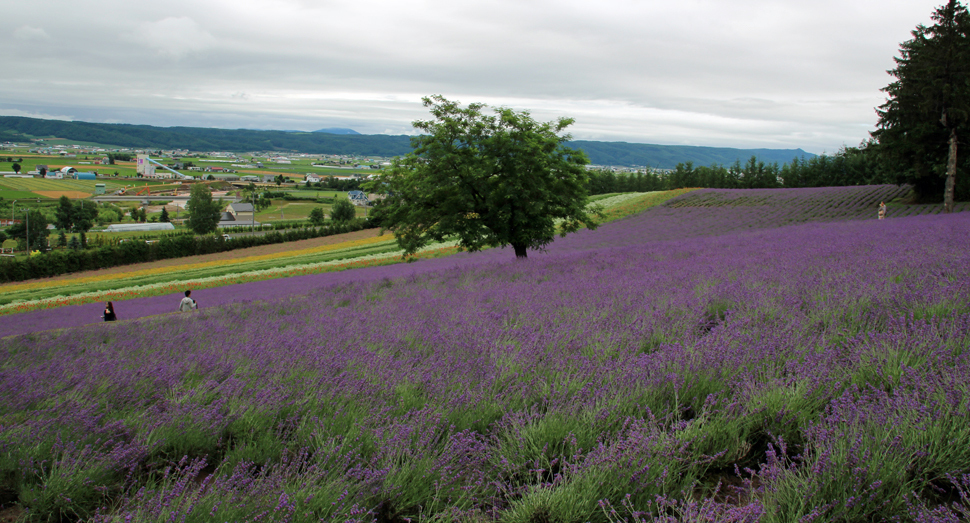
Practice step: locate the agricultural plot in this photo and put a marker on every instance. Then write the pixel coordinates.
(55, 188)
(786, 206)
(7, 194)
(809, 372)
(296, 211)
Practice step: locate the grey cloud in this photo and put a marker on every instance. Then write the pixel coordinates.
(28, 33)
(743, 73)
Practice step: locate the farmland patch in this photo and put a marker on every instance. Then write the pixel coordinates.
(58, 194)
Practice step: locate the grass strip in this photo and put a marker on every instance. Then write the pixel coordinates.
(621, 206)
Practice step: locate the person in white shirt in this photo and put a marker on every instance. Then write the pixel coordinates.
(187, 303)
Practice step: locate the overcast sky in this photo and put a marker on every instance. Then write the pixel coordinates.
(738, 73)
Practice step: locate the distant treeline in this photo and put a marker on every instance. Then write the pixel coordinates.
(669, 156)
(16, 128)
(850, 166)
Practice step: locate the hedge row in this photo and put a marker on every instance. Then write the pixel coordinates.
(275, 226)
(63, 262)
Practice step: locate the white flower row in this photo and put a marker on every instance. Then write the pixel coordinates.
(613, 201)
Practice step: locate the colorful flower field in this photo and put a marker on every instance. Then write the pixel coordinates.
(212, 273)
(685, 364)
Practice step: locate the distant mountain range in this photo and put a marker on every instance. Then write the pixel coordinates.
(349, 142)
(336, 130)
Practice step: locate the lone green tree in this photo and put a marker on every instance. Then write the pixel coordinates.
(342, 211)
(165, 217)
(487, 179)
(16, 168)
(316, 216)
(203, 212)
(928, 108)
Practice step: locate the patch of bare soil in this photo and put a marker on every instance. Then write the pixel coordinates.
(10, 514)
(58, 194)
(238, 253)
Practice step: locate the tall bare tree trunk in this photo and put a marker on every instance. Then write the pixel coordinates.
(951, 173)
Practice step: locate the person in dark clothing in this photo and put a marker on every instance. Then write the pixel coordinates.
(109, 312)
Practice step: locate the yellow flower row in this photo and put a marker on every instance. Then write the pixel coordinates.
(189, 266)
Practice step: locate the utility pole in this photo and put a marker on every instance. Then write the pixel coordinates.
(27, 229)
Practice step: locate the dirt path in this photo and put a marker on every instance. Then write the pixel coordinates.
(238, 253)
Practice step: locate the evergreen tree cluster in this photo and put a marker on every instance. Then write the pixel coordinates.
(850, 166)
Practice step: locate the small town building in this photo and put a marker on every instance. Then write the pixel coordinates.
(238, 217)
(144, 167)
(241, 211)
(358, 198)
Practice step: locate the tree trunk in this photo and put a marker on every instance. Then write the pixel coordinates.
(951, 173)
(520, 253)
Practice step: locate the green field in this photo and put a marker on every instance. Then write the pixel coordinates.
(295, 211)
(7, 194)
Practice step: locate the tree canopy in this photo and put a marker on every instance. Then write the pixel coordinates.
(342, 211)
(316, 216)
(204, 213)
(928, 106)
(75, 216)
(488, 179)
(37, 232)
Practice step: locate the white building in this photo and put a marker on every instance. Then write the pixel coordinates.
(144, 167)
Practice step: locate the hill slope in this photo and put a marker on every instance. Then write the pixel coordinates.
(818, 369)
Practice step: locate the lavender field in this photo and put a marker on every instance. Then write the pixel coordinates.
(692, 363)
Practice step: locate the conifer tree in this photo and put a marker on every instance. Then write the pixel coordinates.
(928, 110)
